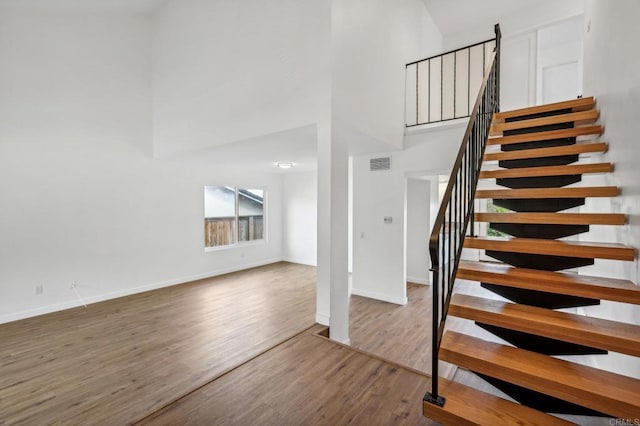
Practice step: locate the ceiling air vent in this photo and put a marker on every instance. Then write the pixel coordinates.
(383, 163)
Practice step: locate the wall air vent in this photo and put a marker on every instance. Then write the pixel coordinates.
(383, 163)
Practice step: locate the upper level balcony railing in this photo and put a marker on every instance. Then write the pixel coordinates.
(444, 87)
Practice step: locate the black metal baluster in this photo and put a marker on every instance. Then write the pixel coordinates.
(417, 94)
(429, 96)
(469, 81)
(441, 87)
(455, 83)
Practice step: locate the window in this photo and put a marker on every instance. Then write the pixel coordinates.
(492, 208)
(233, 215)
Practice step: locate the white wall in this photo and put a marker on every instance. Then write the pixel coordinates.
(82, 199)
(525, 20)
(379, 248)
(300, 217)
(230, 70)
(610, 74)
(372, 42)
(559, 62)
(519, 50)
(418, 230)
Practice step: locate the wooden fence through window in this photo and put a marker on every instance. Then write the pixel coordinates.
(220, 231)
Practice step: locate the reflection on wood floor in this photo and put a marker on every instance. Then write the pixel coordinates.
(235, 349)
(120, 360)
(307, 380)
(398, 333)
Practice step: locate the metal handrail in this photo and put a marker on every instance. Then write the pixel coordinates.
(457, 208)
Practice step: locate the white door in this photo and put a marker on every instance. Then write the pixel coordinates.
(559, 64)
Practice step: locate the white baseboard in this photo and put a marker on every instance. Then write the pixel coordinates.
(416, 280)
(344, 342)
(309, 262)
(127, 292)
(322, 319)
(379, 296)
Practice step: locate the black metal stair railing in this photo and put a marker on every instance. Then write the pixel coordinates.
(443, 87)
(457, 208)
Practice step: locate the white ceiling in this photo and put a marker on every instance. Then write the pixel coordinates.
(456, 16)
(111, 6)
(298, 146)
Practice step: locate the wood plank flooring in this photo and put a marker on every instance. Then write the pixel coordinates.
(308, 380)
(196, 354)
(398, 333)
(120, 360)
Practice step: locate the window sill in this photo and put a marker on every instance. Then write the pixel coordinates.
(236, 245)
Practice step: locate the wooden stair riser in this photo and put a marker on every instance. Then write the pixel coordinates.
(540, 261)
(547, 171)
(578, 118)
(549, 135)
(574, 105)
(545, 193)
(553, 248)
(559, 151)
(593, 332)
(539, 205)
(539, 231)
(553, 218)
(546, 225)
(541, 299)
(552, 282)
(467, 406)
(610, 393)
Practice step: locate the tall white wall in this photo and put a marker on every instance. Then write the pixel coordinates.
(610, 74)
(372, 42)
(519, 50)
(525, 20)
(300, 217)
(379, 248)
(418, 230)
(82, 198)
(230, 70)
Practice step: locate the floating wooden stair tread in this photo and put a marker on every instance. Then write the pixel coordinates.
(579, 249)
(573, 104)
(609, 393)
(551, 282)
(548, 135)
(579, 329)
(578, 192)
(565, 170)
(553, 218)
(582, 117)
(468, 406)
(555, 151)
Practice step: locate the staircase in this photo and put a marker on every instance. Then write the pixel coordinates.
(540, 167)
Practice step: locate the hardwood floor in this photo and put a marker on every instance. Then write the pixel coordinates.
(118, 361)
(308, 380)
(199, 354)
(402, 334)
(398, 333)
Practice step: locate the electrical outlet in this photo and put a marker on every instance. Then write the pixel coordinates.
(39, 289)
